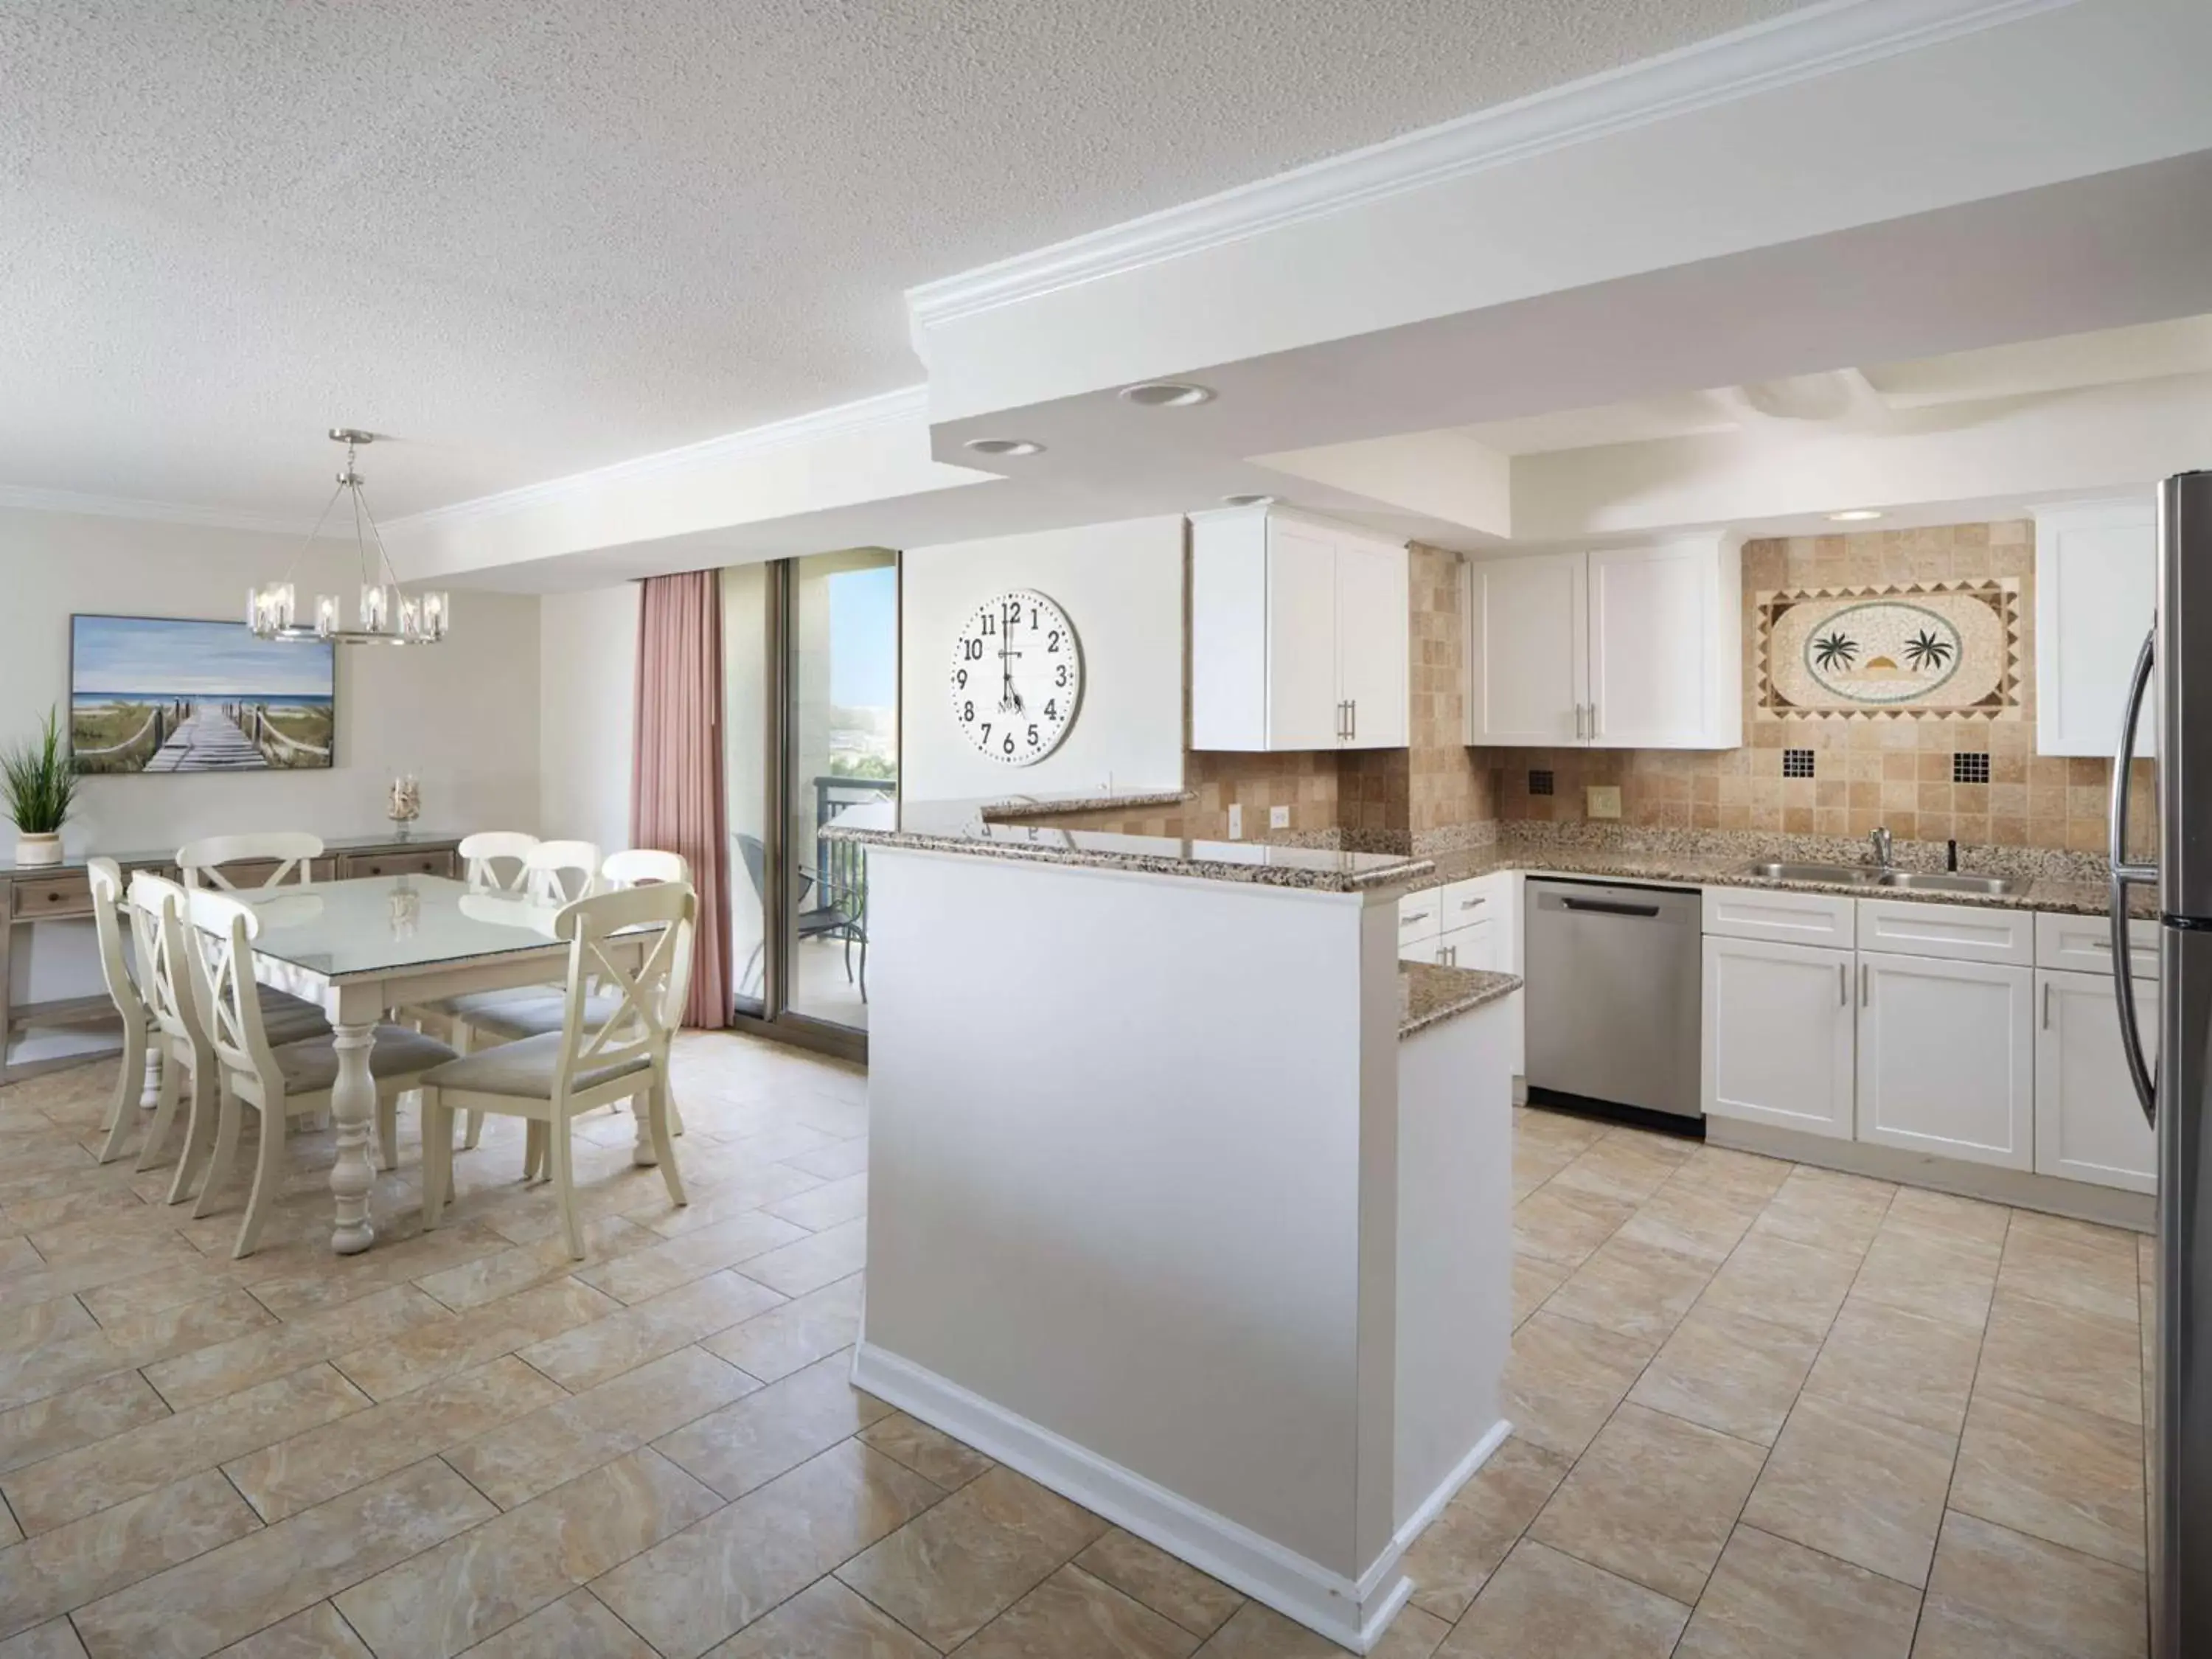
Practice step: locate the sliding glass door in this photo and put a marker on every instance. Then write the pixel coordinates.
(812, 673)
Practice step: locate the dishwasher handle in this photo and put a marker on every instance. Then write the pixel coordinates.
(1609, 906)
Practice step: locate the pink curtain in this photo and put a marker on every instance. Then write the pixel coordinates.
(676, 800)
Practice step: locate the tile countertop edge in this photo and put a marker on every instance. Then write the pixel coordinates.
(1430, 993)
(2055, 896)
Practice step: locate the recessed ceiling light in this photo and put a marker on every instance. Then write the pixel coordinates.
(1167, 394)
(1004, 447)
(1248, 500)
(1855, 514)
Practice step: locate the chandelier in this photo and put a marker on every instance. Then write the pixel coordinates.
(388, 614)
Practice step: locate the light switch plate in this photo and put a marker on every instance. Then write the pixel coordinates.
(1279, 817)
(1235, 821)
(1602, 800)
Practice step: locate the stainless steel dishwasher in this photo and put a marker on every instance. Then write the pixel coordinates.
(1614, 994)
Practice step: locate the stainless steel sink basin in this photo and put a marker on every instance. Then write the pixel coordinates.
(1914, 881)
(1865, 875)
(1858, 875)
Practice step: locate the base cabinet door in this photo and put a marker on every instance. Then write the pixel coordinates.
(2089, 1126)
(1472, 946)
(1778, 1034)
(1421, 949)
(1946, 1058)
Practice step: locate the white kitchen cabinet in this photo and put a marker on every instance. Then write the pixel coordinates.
(1947, 1057)
(1474, 946)
(1300, 635)
(2088, 1124)
(1420, 950)
(1420, 917)
(1528, 645)
(1626, 648)
(1780, 1032)
(2095, 568)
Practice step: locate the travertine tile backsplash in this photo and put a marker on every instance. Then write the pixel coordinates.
(1439, 794)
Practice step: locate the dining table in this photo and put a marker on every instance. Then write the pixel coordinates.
(366, 949)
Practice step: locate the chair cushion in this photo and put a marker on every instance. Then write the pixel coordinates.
(312, 1066)
(465, 1007)
(524, 1070)
(288, 1018)
(529, 1017)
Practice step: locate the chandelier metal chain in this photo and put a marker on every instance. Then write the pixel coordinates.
(388, 614)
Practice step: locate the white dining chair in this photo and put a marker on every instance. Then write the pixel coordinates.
(279, 1080)
(496, 860)
(547, 1080)
(137, 1083)
(552, 871)
(293, 854)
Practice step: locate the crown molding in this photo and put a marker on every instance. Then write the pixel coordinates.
(25, 499)
(909, 403)
(1799, 46)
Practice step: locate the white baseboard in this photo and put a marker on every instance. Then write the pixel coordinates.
(1353, 1614)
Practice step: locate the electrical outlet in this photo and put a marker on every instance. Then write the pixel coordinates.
(1235, 821)
(1279, 817)
(1602, 800)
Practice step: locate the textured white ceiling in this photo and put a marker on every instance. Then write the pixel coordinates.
(529, 239)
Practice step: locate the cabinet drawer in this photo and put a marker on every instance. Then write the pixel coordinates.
(1822, 919)
(1466, 902)
(356, 867)
(1420, 915)
(1956, 932)
(1474, 946)
(2083, 945)
(69, 895)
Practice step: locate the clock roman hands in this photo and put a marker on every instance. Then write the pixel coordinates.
(1010, 700)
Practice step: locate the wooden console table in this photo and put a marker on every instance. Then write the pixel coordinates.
(62, 892)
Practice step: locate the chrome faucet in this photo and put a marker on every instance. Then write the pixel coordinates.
(1881, 853)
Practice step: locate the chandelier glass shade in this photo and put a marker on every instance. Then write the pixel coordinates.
(387, 614)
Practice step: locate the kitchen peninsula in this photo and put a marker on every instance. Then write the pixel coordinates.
(1186, 1198)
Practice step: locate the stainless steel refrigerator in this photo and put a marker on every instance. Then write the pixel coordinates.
(2177, 1094)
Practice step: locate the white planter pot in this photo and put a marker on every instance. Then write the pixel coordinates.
(32, 851)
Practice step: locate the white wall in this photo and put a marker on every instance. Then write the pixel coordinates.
(587, 645)
(1121, 586)
(462, 716)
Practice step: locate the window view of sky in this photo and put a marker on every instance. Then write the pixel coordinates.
(863, 638)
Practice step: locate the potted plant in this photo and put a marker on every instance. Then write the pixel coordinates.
(37, 789)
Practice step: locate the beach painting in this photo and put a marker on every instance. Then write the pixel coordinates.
(151, 694)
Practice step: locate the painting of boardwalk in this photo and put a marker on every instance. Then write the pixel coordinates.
(148, 694)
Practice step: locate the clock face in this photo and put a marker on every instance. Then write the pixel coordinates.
(1017, 676)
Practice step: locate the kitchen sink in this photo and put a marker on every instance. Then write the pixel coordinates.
(1910, 881)
(1914, 881)
(1856, 874)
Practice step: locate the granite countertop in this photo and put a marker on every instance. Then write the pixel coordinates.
(1429, 994)
(2082, 898)
(982, 830)
(331, 846)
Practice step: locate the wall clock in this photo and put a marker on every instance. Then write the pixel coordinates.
(1016, 677)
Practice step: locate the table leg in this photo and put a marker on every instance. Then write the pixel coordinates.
(353, 1105)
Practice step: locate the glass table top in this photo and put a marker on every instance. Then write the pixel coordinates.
(379, 924)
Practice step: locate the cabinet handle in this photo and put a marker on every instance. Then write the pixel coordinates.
(1843, 985)
(2047, 1005)
(1354, 706)
(1593, 730)
(1469, 903)
(1417, 915)
(1866, 986)
(1578, 722)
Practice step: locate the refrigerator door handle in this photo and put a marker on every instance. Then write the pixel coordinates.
(2124, 875)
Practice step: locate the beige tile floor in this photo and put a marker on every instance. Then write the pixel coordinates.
(1760, 1411)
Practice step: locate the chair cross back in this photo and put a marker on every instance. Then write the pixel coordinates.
(157, 912)
(641, 1025)
(201, 861)
(549, 864)
(483, 854)
(109, 907)
(217, 939)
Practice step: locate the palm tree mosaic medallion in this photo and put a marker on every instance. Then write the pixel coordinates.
(1947, 649)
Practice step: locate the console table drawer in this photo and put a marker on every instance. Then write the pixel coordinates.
(66, 895)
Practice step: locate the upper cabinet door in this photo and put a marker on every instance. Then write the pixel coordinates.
(1665, 664)
(1303, 699)
(1528, 639)
(1373, 633)
(2095, 570)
